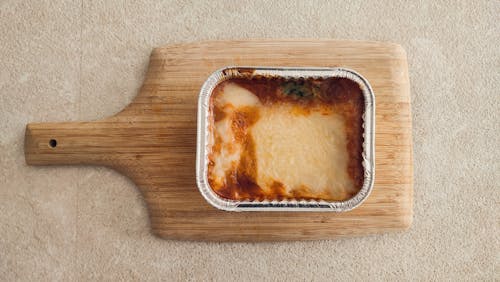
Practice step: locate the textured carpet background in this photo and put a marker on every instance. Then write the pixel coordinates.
(72, 60)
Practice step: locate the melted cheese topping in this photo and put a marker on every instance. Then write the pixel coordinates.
(232, 99)
(275, 151)
(301, 150)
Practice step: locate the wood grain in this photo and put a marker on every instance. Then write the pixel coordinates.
(153, 141)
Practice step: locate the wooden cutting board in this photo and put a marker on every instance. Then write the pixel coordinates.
(153, 141)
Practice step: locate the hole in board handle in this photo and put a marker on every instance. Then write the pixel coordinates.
(52, 143)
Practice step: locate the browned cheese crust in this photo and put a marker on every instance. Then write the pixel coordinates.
(341, 95)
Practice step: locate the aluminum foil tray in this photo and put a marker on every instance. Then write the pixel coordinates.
(284, 205)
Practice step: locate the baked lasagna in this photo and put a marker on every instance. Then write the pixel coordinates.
(272, 138)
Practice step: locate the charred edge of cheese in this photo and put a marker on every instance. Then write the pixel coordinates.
(276, 151)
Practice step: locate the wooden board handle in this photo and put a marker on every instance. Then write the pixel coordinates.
(71, 143)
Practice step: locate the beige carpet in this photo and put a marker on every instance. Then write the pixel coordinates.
(85, 60)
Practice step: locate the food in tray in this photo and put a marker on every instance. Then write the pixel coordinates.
(273, 138)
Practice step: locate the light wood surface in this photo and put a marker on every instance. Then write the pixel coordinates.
(153, 141)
